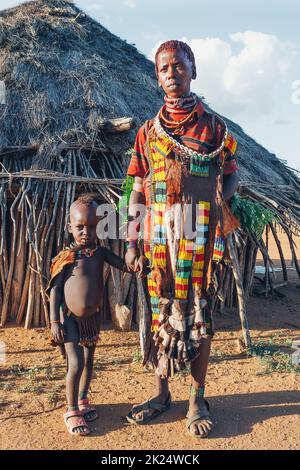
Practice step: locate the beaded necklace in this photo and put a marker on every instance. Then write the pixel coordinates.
(84, 252)
(175, 124)
(184, 153)
(180, 105)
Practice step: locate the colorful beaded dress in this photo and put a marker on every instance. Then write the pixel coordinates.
(183, 153)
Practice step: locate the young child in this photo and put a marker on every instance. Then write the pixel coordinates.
(76, 291)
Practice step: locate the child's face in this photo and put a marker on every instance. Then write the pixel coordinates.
(83, 224)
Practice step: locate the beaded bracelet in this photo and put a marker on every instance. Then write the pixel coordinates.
(138, 187)
(197, 392)
(131, 244)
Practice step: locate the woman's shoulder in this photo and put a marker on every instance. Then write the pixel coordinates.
(145, 128)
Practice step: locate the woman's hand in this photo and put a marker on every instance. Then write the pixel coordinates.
(142, 264)
(131, 259)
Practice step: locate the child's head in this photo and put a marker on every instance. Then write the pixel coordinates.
(84, 220)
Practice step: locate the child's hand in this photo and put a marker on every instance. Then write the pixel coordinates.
(142, 267)
(57, 332)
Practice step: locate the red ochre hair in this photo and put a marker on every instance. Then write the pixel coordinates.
(176, 45)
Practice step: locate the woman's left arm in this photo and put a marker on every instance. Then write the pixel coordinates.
(230, 185)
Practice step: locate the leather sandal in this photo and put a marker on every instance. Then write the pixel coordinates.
(74, 420)
(86, 408)
(149, 410)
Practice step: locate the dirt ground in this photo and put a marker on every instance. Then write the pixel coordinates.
(250, 410)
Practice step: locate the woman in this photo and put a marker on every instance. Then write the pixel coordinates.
(184, 167)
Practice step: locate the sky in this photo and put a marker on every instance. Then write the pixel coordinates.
(247, 56)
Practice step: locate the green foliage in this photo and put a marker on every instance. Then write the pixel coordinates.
(53, 398)
(273, 357)
(252, 215)
(137, 357)
(17, 370)
(31, 388)
(5, 386)
(126, 189)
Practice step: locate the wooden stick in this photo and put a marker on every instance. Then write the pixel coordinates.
(249, 268)
(44, 309)
(279, 247)
(61, 220)
(240, 291)
(31, 296)
(24, 295)
(253, 269)
(37, 301)
(231, 285)
(143, 317)
(267, 264)
(11, 264)
(294, 256)
(225, 287)
(19, 269)
(69, 191)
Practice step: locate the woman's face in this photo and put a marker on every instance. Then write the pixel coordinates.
(175, 72)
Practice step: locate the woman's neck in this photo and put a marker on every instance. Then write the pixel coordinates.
(181, 105)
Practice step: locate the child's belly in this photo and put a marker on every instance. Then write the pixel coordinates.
(83, 291)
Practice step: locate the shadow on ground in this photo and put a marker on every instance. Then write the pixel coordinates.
(233, 414)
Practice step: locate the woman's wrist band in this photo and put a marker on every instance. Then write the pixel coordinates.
(54, 321)
(131, 244)
(138, 187)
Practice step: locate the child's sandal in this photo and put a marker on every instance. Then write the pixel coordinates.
(86, 408)
(74, 420)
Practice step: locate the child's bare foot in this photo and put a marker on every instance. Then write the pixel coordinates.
(199, 423)
(145, 412)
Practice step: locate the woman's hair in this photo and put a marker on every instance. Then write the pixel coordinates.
(179, 45)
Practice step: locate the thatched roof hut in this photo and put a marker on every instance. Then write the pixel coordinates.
(67, 82)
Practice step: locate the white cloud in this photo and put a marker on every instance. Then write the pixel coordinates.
(94, 7)
(244, 73)
(130, 3)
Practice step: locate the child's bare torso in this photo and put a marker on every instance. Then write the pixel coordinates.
(83, 284)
